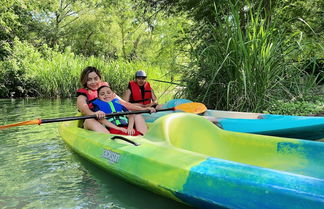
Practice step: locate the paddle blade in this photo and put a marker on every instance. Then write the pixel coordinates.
(29, 122)
(192, 107)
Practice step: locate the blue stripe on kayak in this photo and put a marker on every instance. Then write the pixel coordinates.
(290, 117)
(217, 182)
(312, 152)
(258, 125)
(285, 126)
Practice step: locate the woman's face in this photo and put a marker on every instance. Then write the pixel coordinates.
(106, 94)
(93, 81)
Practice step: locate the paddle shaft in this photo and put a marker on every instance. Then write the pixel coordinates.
(94, 116)
(193, 107)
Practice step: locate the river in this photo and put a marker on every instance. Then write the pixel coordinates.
(38, 170)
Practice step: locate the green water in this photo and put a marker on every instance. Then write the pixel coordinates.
(37, 170)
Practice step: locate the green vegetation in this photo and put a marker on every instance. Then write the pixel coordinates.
(282, 107)
(248, 55)
(246, 69)
(45, 46)
(46, 72)
(257, 55)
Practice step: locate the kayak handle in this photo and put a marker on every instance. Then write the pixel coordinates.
(125, 139)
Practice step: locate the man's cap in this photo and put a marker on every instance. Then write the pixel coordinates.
(140, 73)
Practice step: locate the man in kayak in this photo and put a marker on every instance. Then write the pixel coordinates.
(140, 93)
(108, 103)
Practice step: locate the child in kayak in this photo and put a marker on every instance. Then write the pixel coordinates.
(108, 103)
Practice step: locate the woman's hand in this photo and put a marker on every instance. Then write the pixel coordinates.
(100, 115)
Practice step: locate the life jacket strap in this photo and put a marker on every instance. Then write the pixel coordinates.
(116, 119)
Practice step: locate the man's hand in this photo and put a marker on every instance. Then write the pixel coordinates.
(151, 109)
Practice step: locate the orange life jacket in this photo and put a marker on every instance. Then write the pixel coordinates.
(137, 97)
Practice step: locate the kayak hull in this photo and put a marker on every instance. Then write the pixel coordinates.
(187, 158)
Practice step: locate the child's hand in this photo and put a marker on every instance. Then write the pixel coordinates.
(130, 131)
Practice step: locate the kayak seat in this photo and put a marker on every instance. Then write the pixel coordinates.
(185, 131)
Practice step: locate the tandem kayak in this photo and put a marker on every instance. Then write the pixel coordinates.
(301, 127)
(187, 158)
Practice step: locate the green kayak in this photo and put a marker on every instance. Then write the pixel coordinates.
(187, 158)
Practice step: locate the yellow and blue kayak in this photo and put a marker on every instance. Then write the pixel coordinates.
(187, 158)
(301, 127)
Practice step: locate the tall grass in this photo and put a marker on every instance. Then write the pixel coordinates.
(242, 67)
(46, 72)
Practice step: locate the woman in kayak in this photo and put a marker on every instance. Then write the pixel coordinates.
(91, 80)
(109, 103)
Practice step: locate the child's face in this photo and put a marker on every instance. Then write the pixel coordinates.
(106, 94)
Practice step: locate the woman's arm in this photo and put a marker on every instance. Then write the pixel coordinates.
(130, 128)
(84, 108)
(131, 120)
(127, 94)
(131, 106)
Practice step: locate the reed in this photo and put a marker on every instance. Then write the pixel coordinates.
(242, 67)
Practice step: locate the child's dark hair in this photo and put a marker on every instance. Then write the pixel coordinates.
(102, 87)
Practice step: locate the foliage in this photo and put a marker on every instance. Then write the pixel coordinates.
(15, 82)
(46, 72)
(304, 17)
(110, 30)
(45, 44)
(309, 106)
(240, 68)
(15, 20)
(239, 55)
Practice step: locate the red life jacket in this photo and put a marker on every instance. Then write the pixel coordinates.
(136, 96)
(90, 94)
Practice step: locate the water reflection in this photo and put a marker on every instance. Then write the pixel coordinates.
(37, 170)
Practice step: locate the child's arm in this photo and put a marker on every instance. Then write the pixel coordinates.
(130, 128)
(111, 125)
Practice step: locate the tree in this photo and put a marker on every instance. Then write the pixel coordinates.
(16, 20)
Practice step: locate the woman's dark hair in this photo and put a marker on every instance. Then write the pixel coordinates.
(85, 73)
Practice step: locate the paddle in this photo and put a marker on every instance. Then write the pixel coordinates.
(193, 107)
